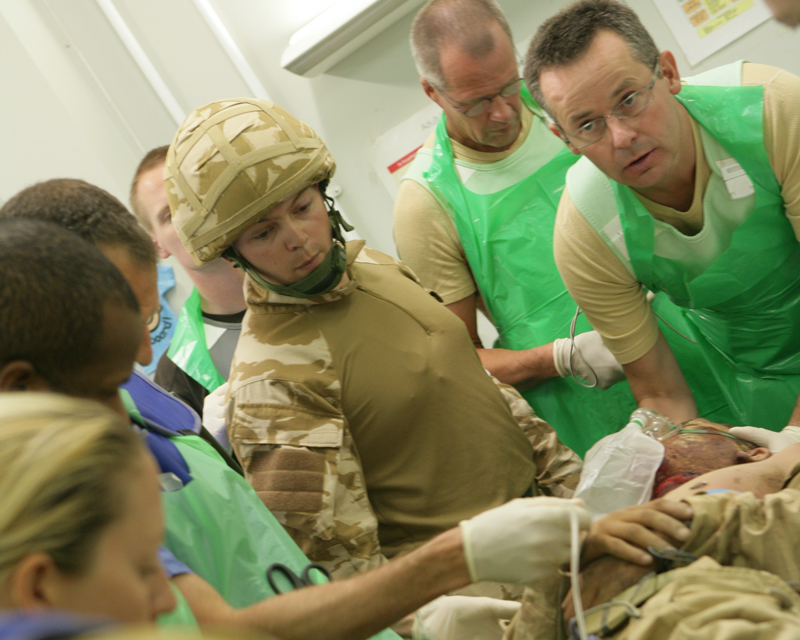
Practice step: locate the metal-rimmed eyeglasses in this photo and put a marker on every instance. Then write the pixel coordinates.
(475, 109)
(630, 106)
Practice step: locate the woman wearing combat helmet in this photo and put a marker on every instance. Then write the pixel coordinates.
(357, 403)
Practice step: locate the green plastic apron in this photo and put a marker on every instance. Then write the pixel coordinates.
(228, 533)
(743, 309)
(182, 615)
(188, 349)
(219, 527)
(508, 241)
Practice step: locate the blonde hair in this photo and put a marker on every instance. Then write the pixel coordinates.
(61, 462)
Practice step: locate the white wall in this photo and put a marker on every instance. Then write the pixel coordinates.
(74, 103)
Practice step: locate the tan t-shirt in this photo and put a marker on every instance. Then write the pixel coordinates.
(426, 238)
(614, 302)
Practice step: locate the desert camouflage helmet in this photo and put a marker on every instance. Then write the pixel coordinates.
(233, 161)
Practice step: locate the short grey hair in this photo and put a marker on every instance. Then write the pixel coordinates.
(464, 23)
(564, 38)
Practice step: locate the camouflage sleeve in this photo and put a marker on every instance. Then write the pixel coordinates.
(558, 467)
(740, 530)
(299, 456)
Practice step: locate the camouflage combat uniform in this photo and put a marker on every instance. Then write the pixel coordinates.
(367, 424)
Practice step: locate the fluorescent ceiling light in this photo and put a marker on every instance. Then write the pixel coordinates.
(338, 31)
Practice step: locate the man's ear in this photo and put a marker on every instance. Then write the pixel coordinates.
(21, 375)
(161, 251)
(558, 134)
(753, 455)
(31, 584)
(669, 70)
(556, 131)
(430, 91)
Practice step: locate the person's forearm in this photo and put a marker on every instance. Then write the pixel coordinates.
(657, 383)
(531, 366)
(604, 579)
(677, 408)
(362, 606)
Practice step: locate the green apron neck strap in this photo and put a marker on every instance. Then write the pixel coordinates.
(637, 220)
(535, 108)
(442, 148)
(189, 350)
(742, 132)
(192, 304)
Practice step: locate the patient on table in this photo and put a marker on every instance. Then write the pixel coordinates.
(698, 447)
(745, 515)
(628, 467)
(769, 473)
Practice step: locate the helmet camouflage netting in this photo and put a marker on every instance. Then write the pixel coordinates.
(230, 163)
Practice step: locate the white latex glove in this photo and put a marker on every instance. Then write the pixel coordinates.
(773, 440)
(463, 618)
(590, 360)
(214, 415)
(521, 541)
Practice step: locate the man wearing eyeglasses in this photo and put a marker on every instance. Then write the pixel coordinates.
(474, 218)
(689, 189)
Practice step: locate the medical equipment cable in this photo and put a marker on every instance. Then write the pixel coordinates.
(578, 622)
(574, 569)
(574, 349)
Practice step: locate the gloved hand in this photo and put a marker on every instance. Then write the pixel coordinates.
(462, 618)
(521, 541)
(214, 415)
(591, 360)
(772, 440)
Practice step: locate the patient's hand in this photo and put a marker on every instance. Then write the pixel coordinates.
(603, 579)
(628, 532)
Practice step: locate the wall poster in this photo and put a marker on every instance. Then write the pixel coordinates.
(703, 27)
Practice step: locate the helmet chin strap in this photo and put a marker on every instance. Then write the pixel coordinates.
(323, 279)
